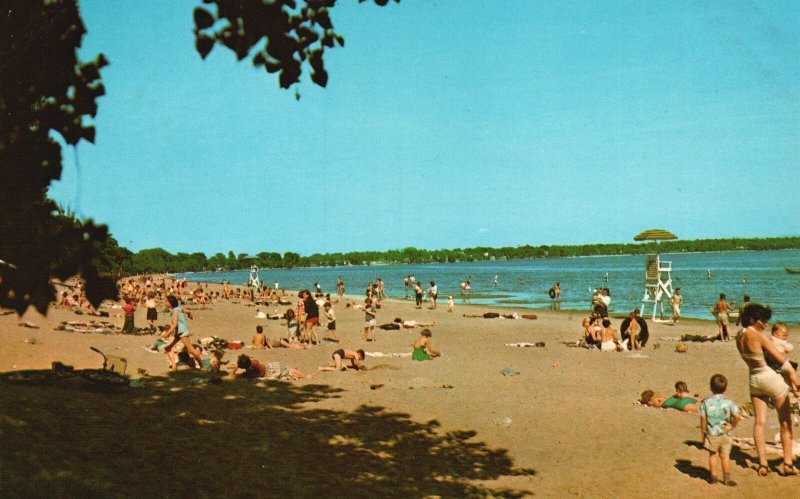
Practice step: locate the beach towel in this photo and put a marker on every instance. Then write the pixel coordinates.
(523, 345)
(276, 370)
(746, 443)
(382, 354)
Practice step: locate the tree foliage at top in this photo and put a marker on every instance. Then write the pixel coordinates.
(278, 35)
(45, 91)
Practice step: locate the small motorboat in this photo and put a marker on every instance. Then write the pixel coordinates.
(793, 270)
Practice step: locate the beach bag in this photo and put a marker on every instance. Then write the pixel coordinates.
(552, 292)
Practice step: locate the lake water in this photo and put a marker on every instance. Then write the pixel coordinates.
(525, 283)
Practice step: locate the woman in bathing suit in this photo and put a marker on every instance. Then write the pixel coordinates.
(765, 384)
(422, 347)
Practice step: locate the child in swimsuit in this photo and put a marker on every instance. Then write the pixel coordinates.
(780, 338)
(331, 317)
(369, 320)
(682, 400)
(633, 333)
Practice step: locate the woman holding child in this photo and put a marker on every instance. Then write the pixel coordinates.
(766, 384)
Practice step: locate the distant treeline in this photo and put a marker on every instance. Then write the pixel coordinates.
(158, 260)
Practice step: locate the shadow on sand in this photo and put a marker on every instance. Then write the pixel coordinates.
(175, 438)
(738, 458)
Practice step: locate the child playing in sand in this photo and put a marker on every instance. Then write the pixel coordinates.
(450, 304)
(260, 339)
(216, 361)
(331, 317)
(370, 320)
(718, 417)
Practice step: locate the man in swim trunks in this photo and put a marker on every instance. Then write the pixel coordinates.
(676, 301)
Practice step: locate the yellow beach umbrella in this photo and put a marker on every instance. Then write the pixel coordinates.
(655, 235)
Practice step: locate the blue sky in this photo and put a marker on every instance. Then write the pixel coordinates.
(448, 124)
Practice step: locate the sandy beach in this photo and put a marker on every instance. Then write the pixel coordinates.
(565, 425)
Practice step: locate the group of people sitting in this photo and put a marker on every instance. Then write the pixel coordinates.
(598, 333)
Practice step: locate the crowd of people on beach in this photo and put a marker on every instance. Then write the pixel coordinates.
(772, 378)
(301, 322)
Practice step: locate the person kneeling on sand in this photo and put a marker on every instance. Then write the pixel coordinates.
(341, 355)
(423, 349)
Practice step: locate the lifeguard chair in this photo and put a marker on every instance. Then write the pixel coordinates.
(657, 276)
(657, 287)
(254, 280)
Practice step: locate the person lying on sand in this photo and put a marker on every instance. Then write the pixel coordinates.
(681, 400)
(253, 369)
(340, 355)
(285, 343)
(495, 315)
(398, 323)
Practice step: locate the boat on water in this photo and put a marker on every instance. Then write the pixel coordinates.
(791, 270)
